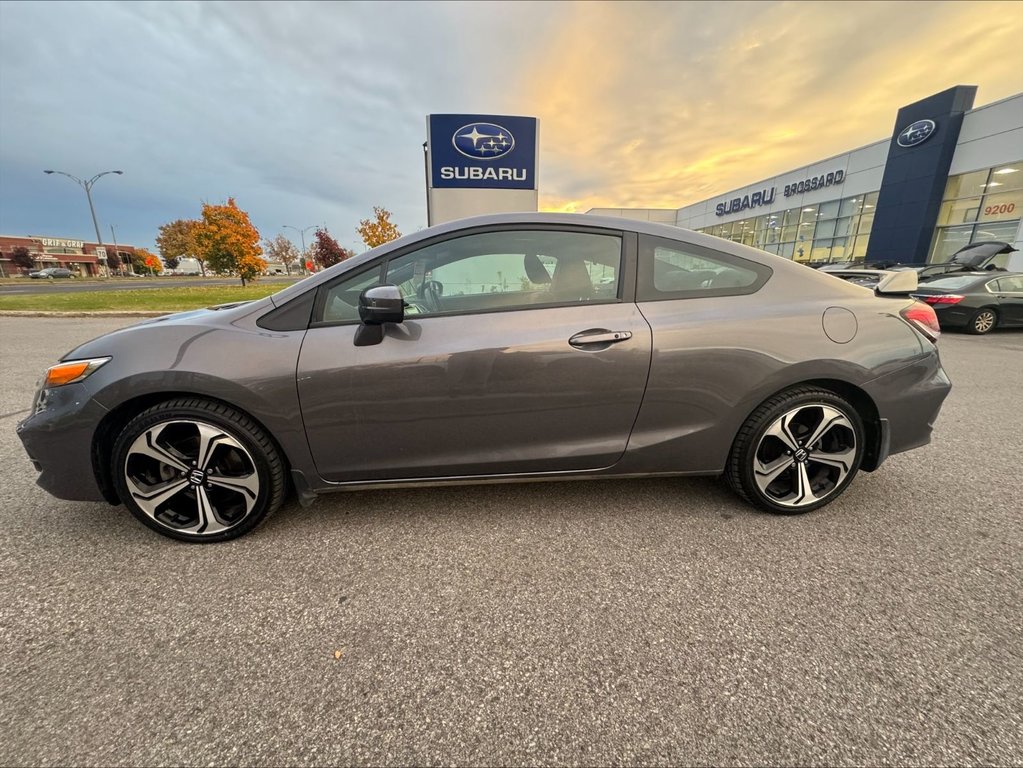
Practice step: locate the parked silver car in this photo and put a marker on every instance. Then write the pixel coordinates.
(500, 348)
(50, 273)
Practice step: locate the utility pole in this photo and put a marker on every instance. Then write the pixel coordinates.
(119, 262)
(426, 179)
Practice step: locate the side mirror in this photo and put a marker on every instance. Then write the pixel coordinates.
(378, 305)
(381, 304)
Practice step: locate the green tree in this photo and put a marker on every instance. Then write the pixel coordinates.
(22, 259)
(228, 242)
(176, 240)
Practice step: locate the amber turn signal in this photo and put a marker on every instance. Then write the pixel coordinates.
(68, 373)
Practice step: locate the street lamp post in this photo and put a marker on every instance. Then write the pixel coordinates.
(119, 262)
(301, 233)
(87, 186)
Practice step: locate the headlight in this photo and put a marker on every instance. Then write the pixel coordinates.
(71, 372)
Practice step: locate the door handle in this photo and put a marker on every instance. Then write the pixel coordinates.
(586, 338)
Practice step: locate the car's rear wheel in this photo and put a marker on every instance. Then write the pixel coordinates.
(983, 321)
(797, 452)
(197, 471)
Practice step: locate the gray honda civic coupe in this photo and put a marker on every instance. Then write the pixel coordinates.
(515, 347)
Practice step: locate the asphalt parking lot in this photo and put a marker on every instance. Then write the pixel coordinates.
(638, 622)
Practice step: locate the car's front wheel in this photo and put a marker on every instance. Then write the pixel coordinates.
(197, 471)
(797, 452)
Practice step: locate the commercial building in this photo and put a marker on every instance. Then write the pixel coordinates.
(947, 176)
(79, 256)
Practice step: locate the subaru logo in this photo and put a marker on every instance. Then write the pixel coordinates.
(483, 141)
(916, 133)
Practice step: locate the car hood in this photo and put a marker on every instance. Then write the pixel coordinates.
(217, 316)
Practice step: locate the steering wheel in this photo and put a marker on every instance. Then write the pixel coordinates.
(430, 292)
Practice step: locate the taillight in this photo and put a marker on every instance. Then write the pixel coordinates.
(947, 298)
(921, 317)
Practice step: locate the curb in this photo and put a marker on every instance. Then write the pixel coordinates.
(113, 313)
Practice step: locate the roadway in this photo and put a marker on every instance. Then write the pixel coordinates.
(24, 286)
(604, 622)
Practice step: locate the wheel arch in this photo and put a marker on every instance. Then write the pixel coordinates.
(873, 431)
(117, 418)
(993, 308)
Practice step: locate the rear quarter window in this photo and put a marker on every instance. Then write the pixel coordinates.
(670, 269)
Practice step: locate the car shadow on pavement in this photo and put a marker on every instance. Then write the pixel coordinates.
(697, 497)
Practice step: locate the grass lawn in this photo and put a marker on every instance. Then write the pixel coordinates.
(155, 299)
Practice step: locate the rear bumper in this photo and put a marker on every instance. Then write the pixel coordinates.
(909, 401)
(58, 441)
(953, 315)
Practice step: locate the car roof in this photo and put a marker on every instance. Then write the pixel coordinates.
(669, 231)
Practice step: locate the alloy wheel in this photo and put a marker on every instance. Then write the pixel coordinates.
(804, 455)
(984, 321)
(191, 476)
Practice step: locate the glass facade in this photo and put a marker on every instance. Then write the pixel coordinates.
(978, 206)
(835, 230)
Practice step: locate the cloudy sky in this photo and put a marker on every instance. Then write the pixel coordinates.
(312, 113)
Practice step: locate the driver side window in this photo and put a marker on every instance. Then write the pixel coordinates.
(516, 269)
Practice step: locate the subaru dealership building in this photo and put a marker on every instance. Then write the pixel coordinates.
(948, 175)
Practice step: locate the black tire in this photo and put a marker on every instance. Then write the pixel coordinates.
(984, 320)
(740, 470)
(242, 443)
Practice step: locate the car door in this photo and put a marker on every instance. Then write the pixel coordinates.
(1009, 291)
(522, 351)
(708, 355)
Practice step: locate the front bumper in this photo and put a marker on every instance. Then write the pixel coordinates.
(58, 440)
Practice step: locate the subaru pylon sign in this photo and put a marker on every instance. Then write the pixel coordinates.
(491, 160)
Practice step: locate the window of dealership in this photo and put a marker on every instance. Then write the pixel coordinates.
(835, 230)
(978, 206)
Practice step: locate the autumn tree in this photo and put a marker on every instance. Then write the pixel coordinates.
(146, 261)
(22, 258)
(227, 241)
(327, 251)
(113, 260)
(281, 249)
(378, 230)
(171, 262)
(177, 240)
